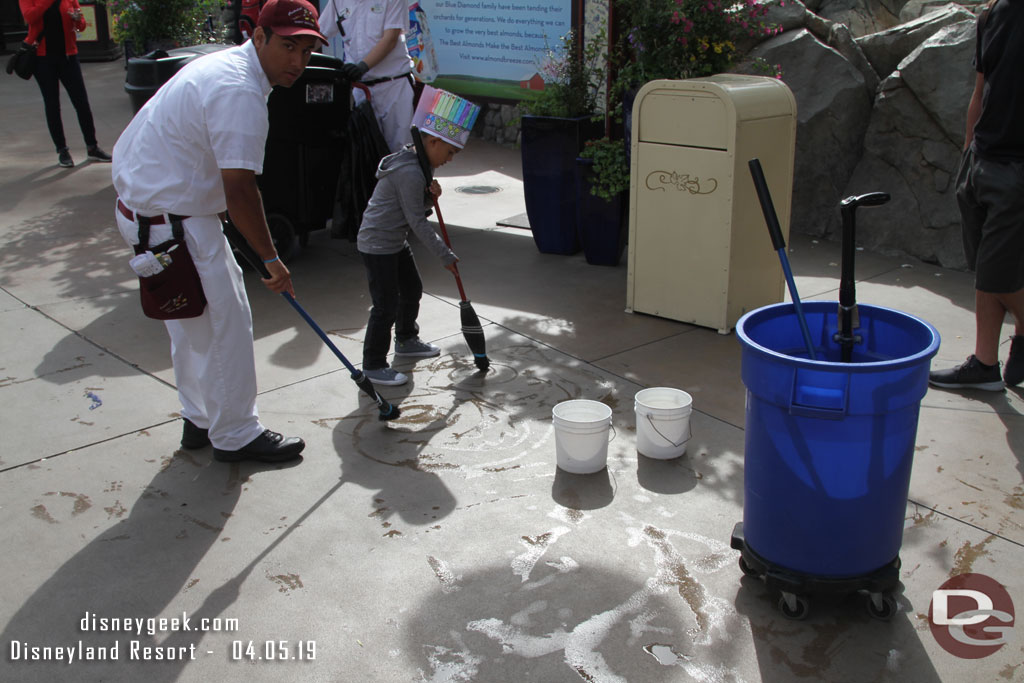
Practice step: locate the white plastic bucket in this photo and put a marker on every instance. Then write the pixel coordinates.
(662, 422)
(581, 435)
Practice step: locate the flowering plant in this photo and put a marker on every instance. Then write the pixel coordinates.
(183, 22)
(679, 39)
(571, 84)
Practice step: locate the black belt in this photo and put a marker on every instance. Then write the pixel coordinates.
(377, 81)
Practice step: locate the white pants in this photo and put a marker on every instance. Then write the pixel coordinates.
(213, 357)
(392, 103)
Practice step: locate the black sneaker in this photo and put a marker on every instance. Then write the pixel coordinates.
(1013, 372)
(64, 159)
(97, 154)
(193, 437)
(267, 447)
(972, 374)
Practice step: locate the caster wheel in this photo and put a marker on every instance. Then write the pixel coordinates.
(746, 568)
(282, 231)
(882, 607)
(794, 607)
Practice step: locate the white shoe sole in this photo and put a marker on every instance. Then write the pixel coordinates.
(983, 386)
(389, 382)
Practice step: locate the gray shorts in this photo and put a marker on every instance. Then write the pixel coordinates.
(991, 199)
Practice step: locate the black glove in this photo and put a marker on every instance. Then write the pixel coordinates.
(354, 72)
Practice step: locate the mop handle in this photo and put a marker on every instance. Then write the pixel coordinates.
(779, 243)
(444, 234)
(250, 257)
(767, 207)
(360, 379)
(320, 333)
(796, 304)
(235, 238)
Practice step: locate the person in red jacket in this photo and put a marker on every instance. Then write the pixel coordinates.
(51, 27)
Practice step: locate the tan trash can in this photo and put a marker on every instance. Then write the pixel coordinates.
(699, 251)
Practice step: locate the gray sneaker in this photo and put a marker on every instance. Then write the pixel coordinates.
(416, 347)
(972, 374)
(388, 377)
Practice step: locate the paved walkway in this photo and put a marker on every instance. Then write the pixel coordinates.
(445, 546)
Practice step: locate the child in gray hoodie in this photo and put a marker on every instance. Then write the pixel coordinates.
(400, 203)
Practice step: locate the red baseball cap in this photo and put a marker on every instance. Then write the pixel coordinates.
(291, 18)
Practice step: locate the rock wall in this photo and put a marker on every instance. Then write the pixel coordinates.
(915, 76)
(500, 124)
(882, 88)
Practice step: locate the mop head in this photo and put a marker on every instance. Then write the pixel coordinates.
(474, 334)
(388, 411)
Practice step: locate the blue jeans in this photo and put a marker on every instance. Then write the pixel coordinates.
(50, 73)
(395, 289)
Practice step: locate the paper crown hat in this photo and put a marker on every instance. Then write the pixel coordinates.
(445, 116)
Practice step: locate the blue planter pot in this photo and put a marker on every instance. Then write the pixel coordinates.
(601, 223)
(550, 146)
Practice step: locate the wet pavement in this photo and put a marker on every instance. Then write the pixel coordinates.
(446, 545)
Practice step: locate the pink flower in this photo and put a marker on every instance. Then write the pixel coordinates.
(675, 17)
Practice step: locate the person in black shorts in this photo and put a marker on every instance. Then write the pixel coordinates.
(990, 192)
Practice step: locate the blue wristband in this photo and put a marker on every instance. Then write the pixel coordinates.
(271, 260)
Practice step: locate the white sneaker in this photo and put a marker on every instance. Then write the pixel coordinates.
(388, 377)
(416, 347)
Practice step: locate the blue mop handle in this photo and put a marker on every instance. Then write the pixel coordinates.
(387, 411)
(779, 243)
(323, 335)
(796, 302)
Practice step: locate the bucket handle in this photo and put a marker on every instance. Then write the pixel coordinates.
(689, 432)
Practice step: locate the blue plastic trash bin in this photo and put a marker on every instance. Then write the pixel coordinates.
(829, 445)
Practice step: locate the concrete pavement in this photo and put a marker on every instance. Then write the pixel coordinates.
(445, 546)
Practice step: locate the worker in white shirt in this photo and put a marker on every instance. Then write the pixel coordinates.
(373, 34)
(192, 152)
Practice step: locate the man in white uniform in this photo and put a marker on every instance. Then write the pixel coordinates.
(193, 151)
(373, 33)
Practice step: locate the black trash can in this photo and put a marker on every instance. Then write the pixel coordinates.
(144, 75)
(304, 151)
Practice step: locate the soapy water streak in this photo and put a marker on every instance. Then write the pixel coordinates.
(716, 619)
(476, 423)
